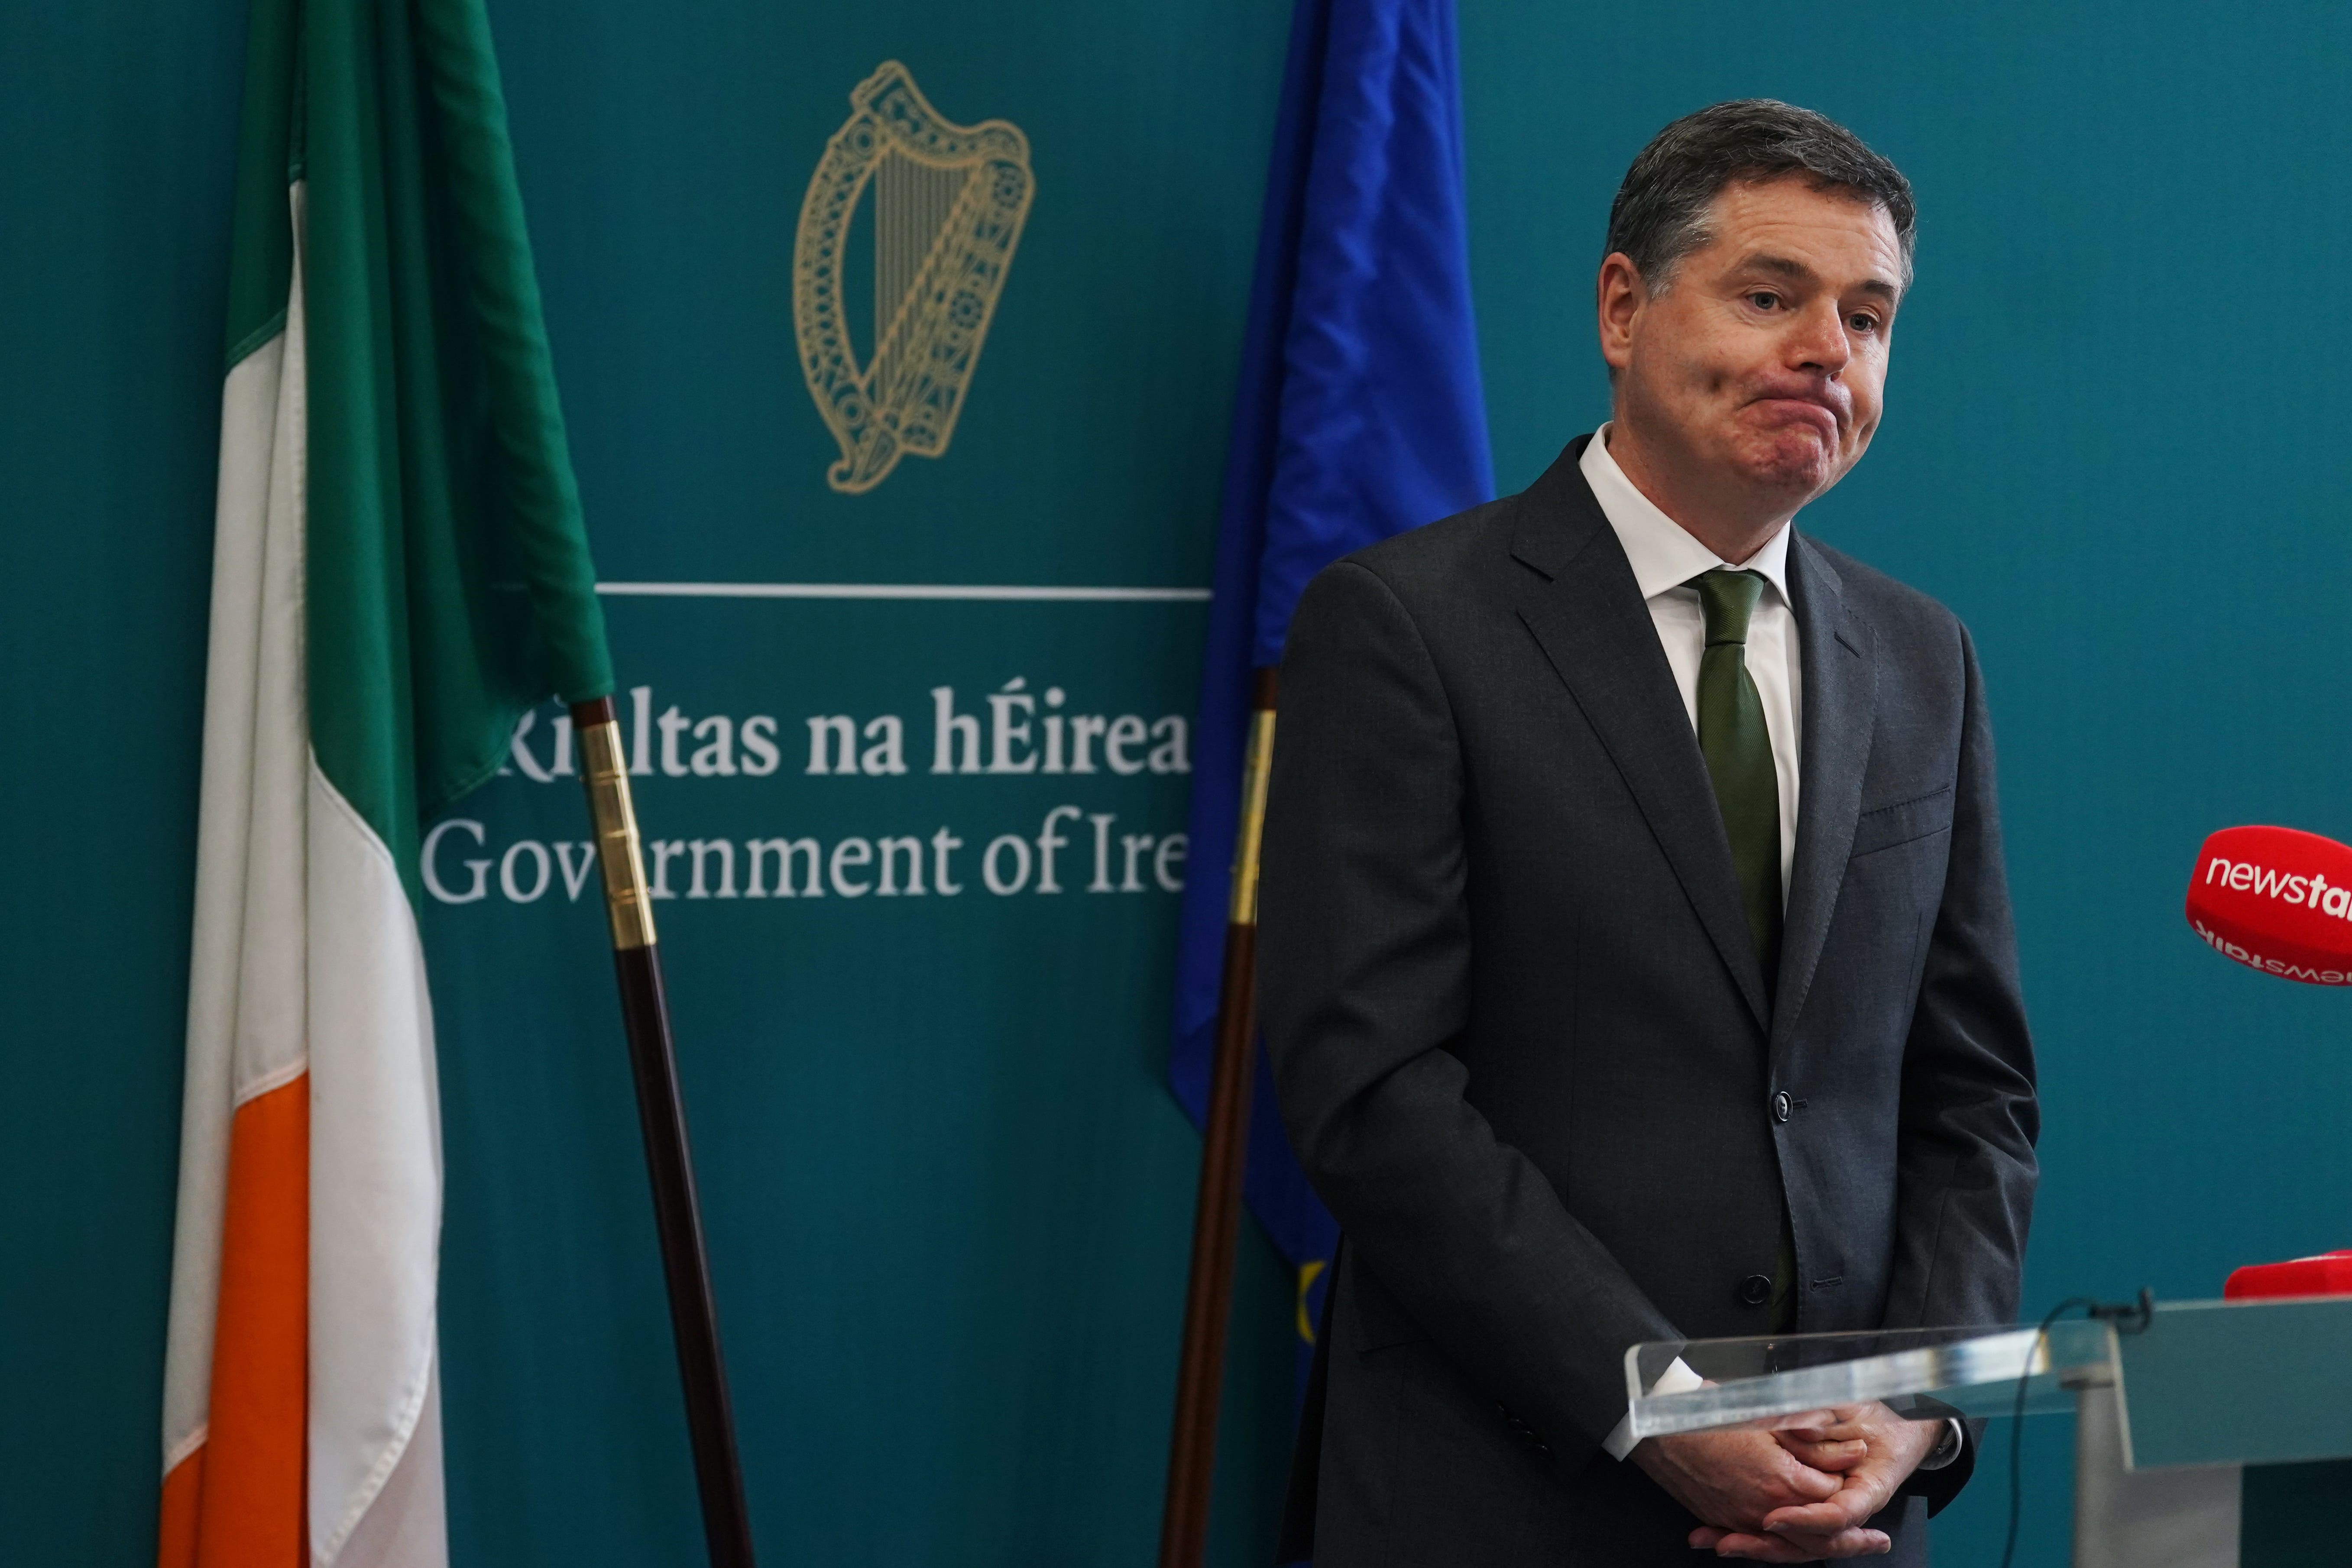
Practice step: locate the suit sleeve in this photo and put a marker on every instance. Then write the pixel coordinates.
(1966, 1170)
(1364, 942)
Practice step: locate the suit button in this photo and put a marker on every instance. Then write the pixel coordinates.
(1756, 1290)
(1780, 1106)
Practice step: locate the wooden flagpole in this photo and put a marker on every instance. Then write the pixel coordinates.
(1224, 1144)
(645, 1012)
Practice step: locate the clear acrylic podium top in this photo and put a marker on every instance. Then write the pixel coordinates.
(2207, 1383)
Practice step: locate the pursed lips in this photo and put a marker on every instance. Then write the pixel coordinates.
(1812, 408)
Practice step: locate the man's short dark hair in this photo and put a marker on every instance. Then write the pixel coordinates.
(1659, 213)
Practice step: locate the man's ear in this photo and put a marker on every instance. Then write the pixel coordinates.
(1619, 296)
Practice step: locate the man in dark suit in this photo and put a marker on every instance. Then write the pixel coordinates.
(1637, 960)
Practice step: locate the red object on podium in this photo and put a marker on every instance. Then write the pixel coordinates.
(2329, 1274)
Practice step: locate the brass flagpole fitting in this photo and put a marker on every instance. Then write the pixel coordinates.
(613, 815)
(1257, 770)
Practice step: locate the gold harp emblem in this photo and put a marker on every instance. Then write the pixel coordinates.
(949, 202)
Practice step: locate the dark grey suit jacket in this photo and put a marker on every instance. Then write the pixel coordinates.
(1527, 1052)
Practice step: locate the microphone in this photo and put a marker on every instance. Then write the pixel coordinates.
(2276, 899)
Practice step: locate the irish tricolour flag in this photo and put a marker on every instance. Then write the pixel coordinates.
(399, 570)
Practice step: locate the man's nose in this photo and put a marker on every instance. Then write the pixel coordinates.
(1819, 344)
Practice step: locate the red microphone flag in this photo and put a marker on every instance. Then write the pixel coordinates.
(2276, 899)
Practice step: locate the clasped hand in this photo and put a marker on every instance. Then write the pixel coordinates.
(1797, 1495)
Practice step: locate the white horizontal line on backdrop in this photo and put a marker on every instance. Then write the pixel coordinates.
(986, 591)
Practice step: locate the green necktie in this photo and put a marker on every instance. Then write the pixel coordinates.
(1739, 751)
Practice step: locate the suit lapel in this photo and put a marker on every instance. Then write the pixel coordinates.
(1586, 612)
(1841, 688)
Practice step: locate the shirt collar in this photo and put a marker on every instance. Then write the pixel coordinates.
(1664, 556)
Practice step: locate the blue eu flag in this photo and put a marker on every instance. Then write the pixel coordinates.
(1359, 416)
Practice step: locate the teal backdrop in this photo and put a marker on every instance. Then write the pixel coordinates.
(947, 1195)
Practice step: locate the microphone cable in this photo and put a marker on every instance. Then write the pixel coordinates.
(2128, 1318)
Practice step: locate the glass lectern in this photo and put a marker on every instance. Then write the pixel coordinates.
(2182, 1424)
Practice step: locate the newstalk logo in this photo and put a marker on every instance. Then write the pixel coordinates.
(2276, 899)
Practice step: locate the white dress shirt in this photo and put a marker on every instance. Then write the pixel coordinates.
(1665, 558)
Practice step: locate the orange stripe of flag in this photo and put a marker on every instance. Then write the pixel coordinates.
(183, 1491)
(236, 1501)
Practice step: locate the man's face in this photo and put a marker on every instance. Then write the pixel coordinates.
(1761, 364)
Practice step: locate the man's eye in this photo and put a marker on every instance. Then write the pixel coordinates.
(1864, 324)
(1763, 299)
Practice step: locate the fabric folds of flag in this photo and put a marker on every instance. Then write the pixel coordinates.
(1358, 415)
(399, 571)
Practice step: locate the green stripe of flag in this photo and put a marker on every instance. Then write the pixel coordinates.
(449, 582)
